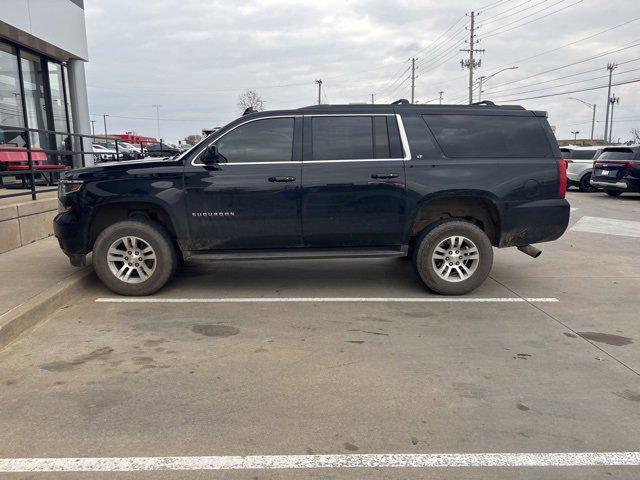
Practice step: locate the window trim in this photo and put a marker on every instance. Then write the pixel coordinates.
(403, 141)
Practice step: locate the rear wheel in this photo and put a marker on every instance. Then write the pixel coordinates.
(134, 257)
(453, 257)
(613, 193)
(585, 184)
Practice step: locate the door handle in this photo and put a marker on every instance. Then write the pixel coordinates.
(384, 175)
(282, 179)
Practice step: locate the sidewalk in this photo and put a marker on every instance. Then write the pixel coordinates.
(35, 280)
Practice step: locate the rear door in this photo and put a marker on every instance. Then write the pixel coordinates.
(353, 181)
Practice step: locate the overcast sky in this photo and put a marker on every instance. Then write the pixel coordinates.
(195, 57)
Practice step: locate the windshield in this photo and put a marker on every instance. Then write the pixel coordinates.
(617, 154)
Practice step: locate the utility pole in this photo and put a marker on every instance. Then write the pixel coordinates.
(372, 98)
(319, 82)
(441, 93)
(413, 80)
(104, 118)
(613, 100)
(93, 127)
(157, 107)
(611, 67)
(471, 62)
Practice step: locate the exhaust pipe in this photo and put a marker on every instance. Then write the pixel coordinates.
(530, 250)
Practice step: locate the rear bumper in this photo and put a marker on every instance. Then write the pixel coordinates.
(627, 184)
(534, 222)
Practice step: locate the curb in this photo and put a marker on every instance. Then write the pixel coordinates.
(35, 310)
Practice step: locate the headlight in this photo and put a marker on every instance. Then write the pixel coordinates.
(68, 186)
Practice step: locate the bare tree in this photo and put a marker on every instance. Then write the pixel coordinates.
(192, 139)
(250, 99)
(635, 133)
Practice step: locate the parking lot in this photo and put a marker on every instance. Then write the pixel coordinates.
(266, 358)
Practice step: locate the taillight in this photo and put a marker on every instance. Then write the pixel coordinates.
(628, 166)
(562, 177)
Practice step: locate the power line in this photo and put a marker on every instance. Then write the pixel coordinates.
(593, 57)
(627, 82)
(486, 21)
(557, 78)
(498, 32)
(492, 5)
(439, 37)
(589, 37)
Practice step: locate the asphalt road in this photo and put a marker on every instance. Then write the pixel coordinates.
(105, 379)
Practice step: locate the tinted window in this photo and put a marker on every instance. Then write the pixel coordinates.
(342, 138)
(617, 154)
(268, 140)
(381, 134)
(420, 140)
(566, 153)
(465, 136)
(583, 154)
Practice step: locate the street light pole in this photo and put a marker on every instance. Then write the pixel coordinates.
(613, 101)
(575, 135)
(157, 107)
(483, 79)
(593, 117)
(104, 118)
(93, 127)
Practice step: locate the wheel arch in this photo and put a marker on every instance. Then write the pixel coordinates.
(109, 213)
(480, 208)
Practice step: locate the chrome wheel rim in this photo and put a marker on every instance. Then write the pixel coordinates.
(131, 259)
(455, 259)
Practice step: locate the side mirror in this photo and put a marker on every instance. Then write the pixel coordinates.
(210, 156)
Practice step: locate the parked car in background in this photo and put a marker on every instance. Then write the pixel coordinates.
(162, 150)
(124, 150)
(103, 153)
(135, 149)
(617, 170)
(580, 167)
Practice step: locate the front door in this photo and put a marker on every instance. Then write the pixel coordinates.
(353, 181)
(250, 199)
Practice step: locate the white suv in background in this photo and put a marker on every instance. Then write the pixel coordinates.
(580, 166)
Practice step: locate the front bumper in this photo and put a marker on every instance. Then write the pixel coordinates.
(72, 235)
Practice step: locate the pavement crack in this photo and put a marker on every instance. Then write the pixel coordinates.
(560, 322)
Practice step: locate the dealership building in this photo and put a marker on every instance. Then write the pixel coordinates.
(43, 49)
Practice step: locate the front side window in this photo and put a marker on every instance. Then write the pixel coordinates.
(486, 136)
(268, 140)
(342, 138)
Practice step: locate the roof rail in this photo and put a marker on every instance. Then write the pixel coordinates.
(249, 110)
(402, 101)
(489, 103)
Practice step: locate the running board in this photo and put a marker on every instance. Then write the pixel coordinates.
(294, 254)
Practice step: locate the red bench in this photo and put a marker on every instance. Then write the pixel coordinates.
(18, 161)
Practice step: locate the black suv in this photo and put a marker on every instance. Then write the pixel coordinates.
(441, 184)
(617, 170)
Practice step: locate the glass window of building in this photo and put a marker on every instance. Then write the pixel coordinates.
(11, 114)
(35, 98)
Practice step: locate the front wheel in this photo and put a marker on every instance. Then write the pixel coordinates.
(453, 257)
(134, 257)
(613, 193)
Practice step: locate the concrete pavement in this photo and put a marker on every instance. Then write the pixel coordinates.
(190, 379)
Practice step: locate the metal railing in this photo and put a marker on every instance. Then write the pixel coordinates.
(57, 160)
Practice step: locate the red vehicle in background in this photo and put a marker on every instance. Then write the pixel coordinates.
(135, 139)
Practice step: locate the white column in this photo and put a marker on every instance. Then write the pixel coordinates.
(80, 110)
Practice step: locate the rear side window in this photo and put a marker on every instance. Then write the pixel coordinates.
(617, 154)
(342, 138)
(466, 136)
(566, 153)
(583, 154)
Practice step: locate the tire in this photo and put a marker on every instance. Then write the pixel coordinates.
(585, 184)
(426, 260)
(613, 193)
(143, 277)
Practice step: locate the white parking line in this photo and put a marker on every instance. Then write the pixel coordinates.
(609, 226)
(264, 462)
(325, 299)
